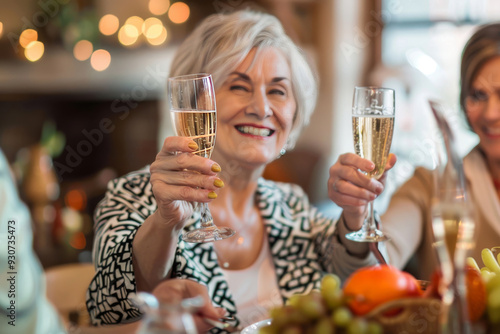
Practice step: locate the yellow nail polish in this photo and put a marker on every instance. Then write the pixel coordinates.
(192, 145)
(212, 195)
(216, 168)
(218, 183)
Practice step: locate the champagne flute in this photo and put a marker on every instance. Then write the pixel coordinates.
(193, 111)
(372, 126)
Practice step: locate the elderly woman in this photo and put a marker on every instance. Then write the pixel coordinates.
(265, 93)
(408, 216)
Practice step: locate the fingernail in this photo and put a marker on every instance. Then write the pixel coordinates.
(218, 183)
(192, 145)
(215, 168)
(379, 189)
(212, 195)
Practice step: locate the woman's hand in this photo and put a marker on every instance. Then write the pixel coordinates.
(352, 190)
(180, 178)
(174, 290)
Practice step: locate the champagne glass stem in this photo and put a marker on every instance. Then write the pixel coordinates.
(371, 226)
(206, 216)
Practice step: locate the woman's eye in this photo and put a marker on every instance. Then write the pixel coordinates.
(277, 91)
(238, 87)
(479, 95)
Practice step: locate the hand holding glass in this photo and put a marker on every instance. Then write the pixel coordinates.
(193, 111)
(372, 126)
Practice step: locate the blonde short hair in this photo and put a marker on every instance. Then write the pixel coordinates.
(222, 41)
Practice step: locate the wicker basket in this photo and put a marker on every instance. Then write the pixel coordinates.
(414, 316)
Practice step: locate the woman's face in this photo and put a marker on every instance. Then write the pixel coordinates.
(483, 108)
(255, 110)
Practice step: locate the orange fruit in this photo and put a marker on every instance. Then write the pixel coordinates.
(372, 286)
(476, 293)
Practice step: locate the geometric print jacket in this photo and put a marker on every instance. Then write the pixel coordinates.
(304, 246)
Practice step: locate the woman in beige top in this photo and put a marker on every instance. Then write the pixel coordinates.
(407, 218)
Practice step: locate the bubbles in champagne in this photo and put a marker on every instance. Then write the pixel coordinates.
(372, 139)
(199, 125)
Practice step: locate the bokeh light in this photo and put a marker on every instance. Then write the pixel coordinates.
(158, 7)
(152, 27)
(76, 199)
(100, 60)
(34, 51)
(128, 35)
(1, 29)
(109, 24)
(160, 39)
(78, 240)
(83, 50)
(28, 36)
(178, 12)
(135, 21)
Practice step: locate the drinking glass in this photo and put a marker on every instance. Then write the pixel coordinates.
(453, 228)
(193, 111)
(372, 127)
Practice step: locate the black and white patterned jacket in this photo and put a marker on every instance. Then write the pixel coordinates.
(304, 245)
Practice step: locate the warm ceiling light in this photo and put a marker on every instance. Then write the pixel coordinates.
(158, 7)
(1, 29)
(83, 50)
(152, 27)
(34, 51)
(178, 12)
(108, 24)
(28, 36)
(160, 39)
(100, 60)
(135, 21)
(126, 36)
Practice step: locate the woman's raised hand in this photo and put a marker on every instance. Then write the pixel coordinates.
(180, 178)
(351, 189)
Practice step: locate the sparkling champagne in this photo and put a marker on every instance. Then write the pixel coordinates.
(372, 139)
(199, 125)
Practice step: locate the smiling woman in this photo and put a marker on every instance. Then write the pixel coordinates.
(265, 92)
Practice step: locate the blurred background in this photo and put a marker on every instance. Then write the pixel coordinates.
(82, 88)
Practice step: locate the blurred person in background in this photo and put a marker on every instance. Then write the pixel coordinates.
(407, 219)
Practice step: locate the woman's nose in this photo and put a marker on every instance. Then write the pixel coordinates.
(259, 105)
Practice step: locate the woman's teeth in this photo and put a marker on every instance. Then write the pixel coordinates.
(254, 131)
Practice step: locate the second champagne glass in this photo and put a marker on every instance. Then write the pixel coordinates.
(193, 111)
(372, 126)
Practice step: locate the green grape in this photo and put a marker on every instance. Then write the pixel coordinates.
(323, 326)
(471, 262)
(486, 274)
(357, 326)
(374, 328)
(330, 282)
(292, 330)
(490, 261)
(494, 305)
(333, 299)
(270, 329)
(294, 301)
(492, 282)
(342, 316)
(311, 306)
